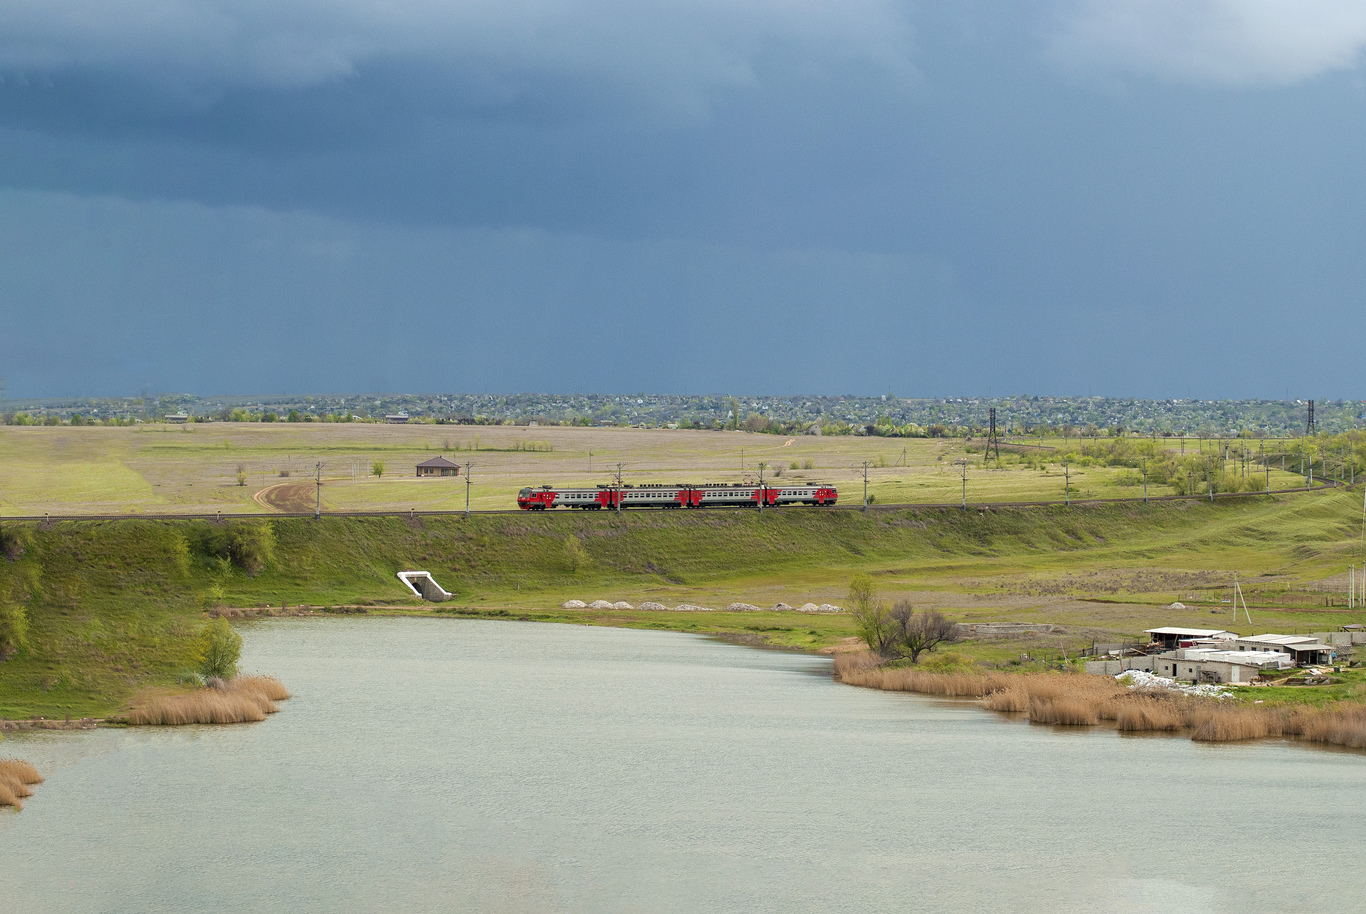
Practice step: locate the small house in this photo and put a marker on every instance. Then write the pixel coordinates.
(438, 466)
(396, 418)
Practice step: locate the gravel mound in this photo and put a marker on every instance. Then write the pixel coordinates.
(743, 608)
(600, 604)
(622, 604)
(650, 606)
(573, 604)
(781, 608)
(809, 608)
(691, 608)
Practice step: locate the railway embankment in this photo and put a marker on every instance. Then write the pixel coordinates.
(94, 611)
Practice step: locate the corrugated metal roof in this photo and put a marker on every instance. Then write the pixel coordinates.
(1281, 639)
(1188, 632)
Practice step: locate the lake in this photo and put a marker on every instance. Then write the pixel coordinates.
(461, 765)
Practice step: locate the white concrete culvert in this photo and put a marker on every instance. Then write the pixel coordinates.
(423, 585)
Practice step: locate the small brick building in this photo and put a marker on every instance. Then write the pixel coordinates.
(438, 466)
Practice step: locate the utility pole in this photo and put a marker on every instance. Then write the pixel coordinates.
(1145, 480)
(467, 488)
(621, 493)
(761, 487)
(965, 481)
(1067, 483)
(590, 462)
(318, 501)
(865, 487)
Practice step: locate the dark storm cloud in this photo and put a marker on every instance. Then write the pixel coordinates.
(1049, 196)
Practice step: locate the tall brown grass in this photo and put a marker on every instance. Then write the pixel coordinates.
(16, 780)
(1082, 701)
(1144, 713)
(240, 700)
(1069, 712)
(1010, 699)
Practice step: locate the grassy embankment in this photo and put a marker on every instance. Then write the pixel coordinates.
(114, 606)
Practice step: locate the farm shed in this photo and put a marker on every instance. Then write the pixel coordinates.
(1304, 650)
(438, 466)
(1172, 636)
(1201, 665)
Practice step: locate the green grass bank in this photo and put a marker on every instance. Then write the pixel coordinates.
(114, 606)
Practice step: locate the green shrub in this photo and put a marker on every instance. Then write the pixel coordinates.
(248, 545)
(13, 628)
(15, 541)
(576, 557)
(219, 650)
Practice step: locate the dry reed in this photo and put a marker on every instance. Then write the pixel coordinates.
(1069, 712)
(1011, 699)
(1212, 722)
(1145, 713)
(242, 700)
(16, 780)
(1080, 701)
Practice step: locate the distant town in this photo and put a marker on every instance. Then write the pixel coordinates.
(887, 415)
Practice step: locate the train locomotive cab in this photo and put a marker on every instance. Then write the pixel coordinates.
(524, 498)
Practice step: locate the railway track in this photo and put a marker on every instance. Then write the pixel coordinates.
(932, 506)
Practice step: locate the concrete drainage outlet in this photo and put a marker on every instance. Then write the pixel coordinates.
(422, 585)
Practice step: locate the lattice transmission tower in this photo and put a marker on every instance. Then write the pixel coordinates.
(993, 442)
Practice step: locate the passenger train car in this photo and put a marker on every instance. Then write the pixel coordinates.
(719, 495)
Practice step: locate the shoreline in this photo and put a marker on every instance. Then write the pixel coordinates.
(1083, 701)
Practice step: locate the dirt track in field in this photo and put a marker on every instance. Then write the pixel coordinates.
(289, 497)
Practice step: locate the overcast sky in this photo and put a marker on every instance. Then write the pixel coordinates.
(1155, 198)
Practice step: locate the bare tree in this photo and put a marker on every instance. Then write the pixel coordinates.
(916, 633)
(872, 618)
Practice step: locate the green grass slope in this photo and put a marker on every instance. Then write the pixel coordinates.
(114, 606)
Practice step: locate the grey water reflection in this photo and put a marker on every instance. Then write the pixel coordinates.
(452, 765)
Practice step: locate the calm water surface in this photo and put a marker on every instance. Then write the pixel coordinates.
(450, 765)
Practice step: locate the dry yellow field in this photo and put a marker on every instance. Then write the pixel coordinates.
(194, 468)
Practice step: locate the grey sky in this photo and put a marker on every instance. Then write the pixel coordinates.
(1129, 197)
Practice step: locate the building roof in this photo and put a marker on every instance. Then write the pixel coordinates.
(1301, 641)
(1188, 632)
(1244, 658)
(438, 462)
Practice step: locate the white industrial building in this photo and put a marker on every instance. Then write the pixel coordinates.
(1210, 665)
(1304, 650)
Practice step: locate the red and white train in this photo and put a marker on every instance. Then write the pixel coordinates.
(718, 495)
